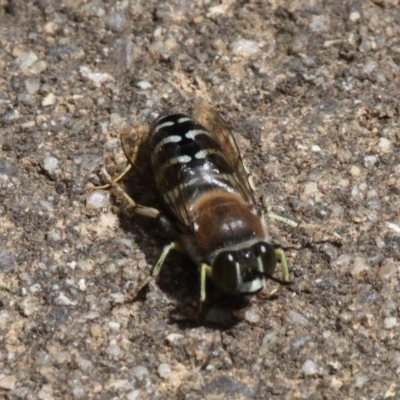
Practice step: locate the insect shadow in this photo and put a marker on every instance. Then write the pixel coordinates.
(179, 277)
(188, 187)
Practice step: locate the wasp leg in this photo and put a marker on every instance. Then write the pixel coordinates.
(249, 177)
(150, 213)
(156, 271)
(136, 208)
(131, 150)
(205, 270)
(172, 246)
(281, 256)
(304, 225)
(287, 221)
(114, 181)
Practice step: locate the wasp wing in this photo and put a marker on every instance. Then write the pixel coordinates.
(210, 119)
(135, 145)
(131, 139)
(176, 181)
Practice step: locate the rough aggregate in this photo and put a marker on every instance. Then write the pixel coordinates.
(311, 91)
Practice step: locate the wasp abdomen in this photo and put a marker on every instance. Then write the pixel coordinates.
(187, 161)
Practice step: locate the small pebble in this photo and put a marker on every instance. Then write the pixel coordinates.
(346, 316)
(319, 23)
(300, 341)
(53, 236)
(219, 45)
(87, 162)
(84, 364)
(115, 22)
(389, 269)
(361, 380)
(170, 44)
(268, 341)
(50, 166)
(118, 384)
(218, 10)
(144, 85)
(354, 16)
(244, 48)
(247, 313)
(252, 316)
(327, 334)
(309, 368)
(354, 170)
(115, 326)
(140, 372)
(49, 100)
(98, 200)
(35, 288)
(336, 383)
(310, 189)
(360, 268)
(26, 59)
(122, 54)
(369, 67)
(390, 322)
(32, 85)
(82, 285)
(46, 393)
(7, 262)
(174, 339)
(50, 28)
(43, 358)
(28, 306)
(236, 71)
(385, 145)
(370, 161)
(114, 351)
(393, 227)
(133, 395)
(38, 67)
(86, 265)
(164, 371)
(297, 318)
(97, 78)
(96, 331)
(11, 116)
(47, 206)
(8, 382)
(4, 320)
(62, 299)
(97, 11)
(78, 391)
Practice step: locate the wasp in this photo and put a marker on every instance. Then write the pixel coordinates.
(200, 176)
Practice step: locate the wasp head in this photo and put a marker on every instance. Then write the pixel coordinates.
(242, 271)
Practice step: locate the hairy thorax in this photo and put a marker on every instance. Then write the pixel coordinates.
(222, 219)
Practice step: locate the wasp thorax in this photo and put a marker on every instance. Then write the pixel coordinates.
(243, 271)
(222, 220)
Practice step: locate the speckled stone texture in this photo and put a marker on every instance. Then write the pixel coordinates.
(311, 90)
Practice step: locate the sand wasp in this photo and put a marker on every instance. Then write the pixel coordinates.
(199, 174)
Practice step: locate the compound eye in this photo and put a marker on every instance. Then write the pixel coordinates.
(266, 258)
(225, 270)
